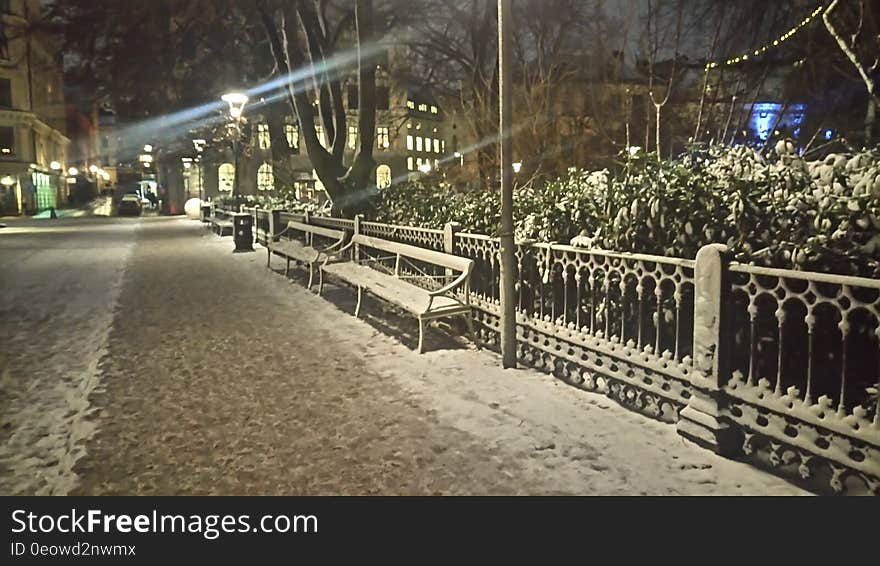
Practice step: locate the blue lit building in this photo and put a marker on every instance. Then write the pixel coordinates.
(764, 115)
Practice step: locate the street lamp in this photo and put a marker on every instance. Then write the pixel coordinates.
(517, 166)
(236, 102)
(425, 167)
(199, 144)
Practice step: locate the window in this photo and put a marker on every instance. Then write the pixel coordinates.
(409, 142)
(383, 176)
(292, 133)
(352, 97)
(264, 140)
(418, 162)
(436, 145)
(410, 104)
(436, 163)
(409, 162)
(442, 146)
(226, 177)
(5, 93)
(352, 137)
(423, 107)
(433, 109)
(265, 177)
(383, 139)
(320, 131)
(418, 143)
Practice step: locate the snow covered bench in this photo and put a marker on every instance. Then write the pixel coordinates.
(450, 300)
(303, 251)
(220, 221)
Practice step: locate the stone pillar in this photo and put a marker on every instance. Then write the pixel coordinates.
(275, 227)
(701, 420)
(357, 230)
(450, 229)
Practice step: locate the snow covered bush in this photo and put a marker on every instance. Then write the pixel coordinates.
(775, 209)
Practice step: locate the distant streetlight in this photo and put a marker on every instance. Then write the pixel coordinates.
(73, 171)
(425, 167)
(93, 169)
(7, 181)
(148, 148)
(55, 166)
(236, 102)
(517, 166)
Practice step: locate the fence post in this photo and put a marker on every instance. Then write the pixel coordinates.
(701, 420)
(307, 218)
(275, 223)
(450, 229)
(357, 230)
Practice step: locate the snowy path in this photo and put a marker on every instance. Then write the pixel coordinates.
(223, 377)
(59, 281)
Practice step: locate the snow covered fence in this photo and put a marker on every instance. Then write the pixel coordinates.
(779, 365)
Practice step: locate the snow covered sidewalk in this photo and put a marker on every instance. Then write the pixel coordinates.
(223, 377)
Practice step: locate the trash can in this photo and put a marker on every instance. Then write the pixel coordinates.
(243, 232)
(206, 213)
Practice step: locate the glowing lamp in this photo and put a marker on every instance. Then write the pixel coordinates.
(73, 171)
(236, 102)
(425, 167)
(517, 166)
(55, 166)
(7, 181)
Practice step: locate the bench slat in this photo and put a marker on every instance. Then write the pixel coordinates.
(458, 263)
(319, 230)
(294, 248)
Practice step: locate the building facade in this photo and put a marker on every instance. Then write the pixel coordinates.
(33, 141)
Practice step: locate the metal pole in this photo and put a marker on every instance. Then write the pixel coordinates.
(235, 171)
(508, 258)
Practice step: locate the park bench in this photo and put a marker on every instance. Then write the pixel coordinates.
(221, 222)
(396, 287)
(306, 251)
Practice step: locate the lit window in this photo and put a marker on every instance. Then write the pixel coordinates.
(226, 173)
(418, 162)
(443, 146)
(383, 176)
(436, 145)
(409, 162)
(410, 104)
(409, 142)
(265, 177)
(263, 138)
(436, 164)
(292, 133)
(383, 138)
(418, 143)
(319, 130)
(433, 109)
(352, 137)
(423, 107)
(409, 125)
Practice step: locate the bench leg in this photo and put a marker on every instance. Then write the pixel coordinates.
(311, 275)
(421, 335)
(320, 280)
(469, 319)
(268, 258)
(357, 309)
(287, 268)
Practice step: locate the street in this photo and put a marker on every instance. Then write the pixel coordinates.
(140, 356)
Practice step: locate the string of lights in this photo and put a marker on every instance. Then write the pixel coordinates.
(764, 48)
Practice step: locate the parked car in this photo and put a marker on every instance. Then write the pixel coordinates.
(130, 205)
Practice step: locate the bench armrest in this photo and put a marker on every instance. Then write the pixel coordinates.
(328, 255)
(452, 286)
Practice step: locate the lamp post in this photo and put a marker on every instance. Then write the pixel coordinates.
(236, 102)
(199, 144)
(508, 258)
